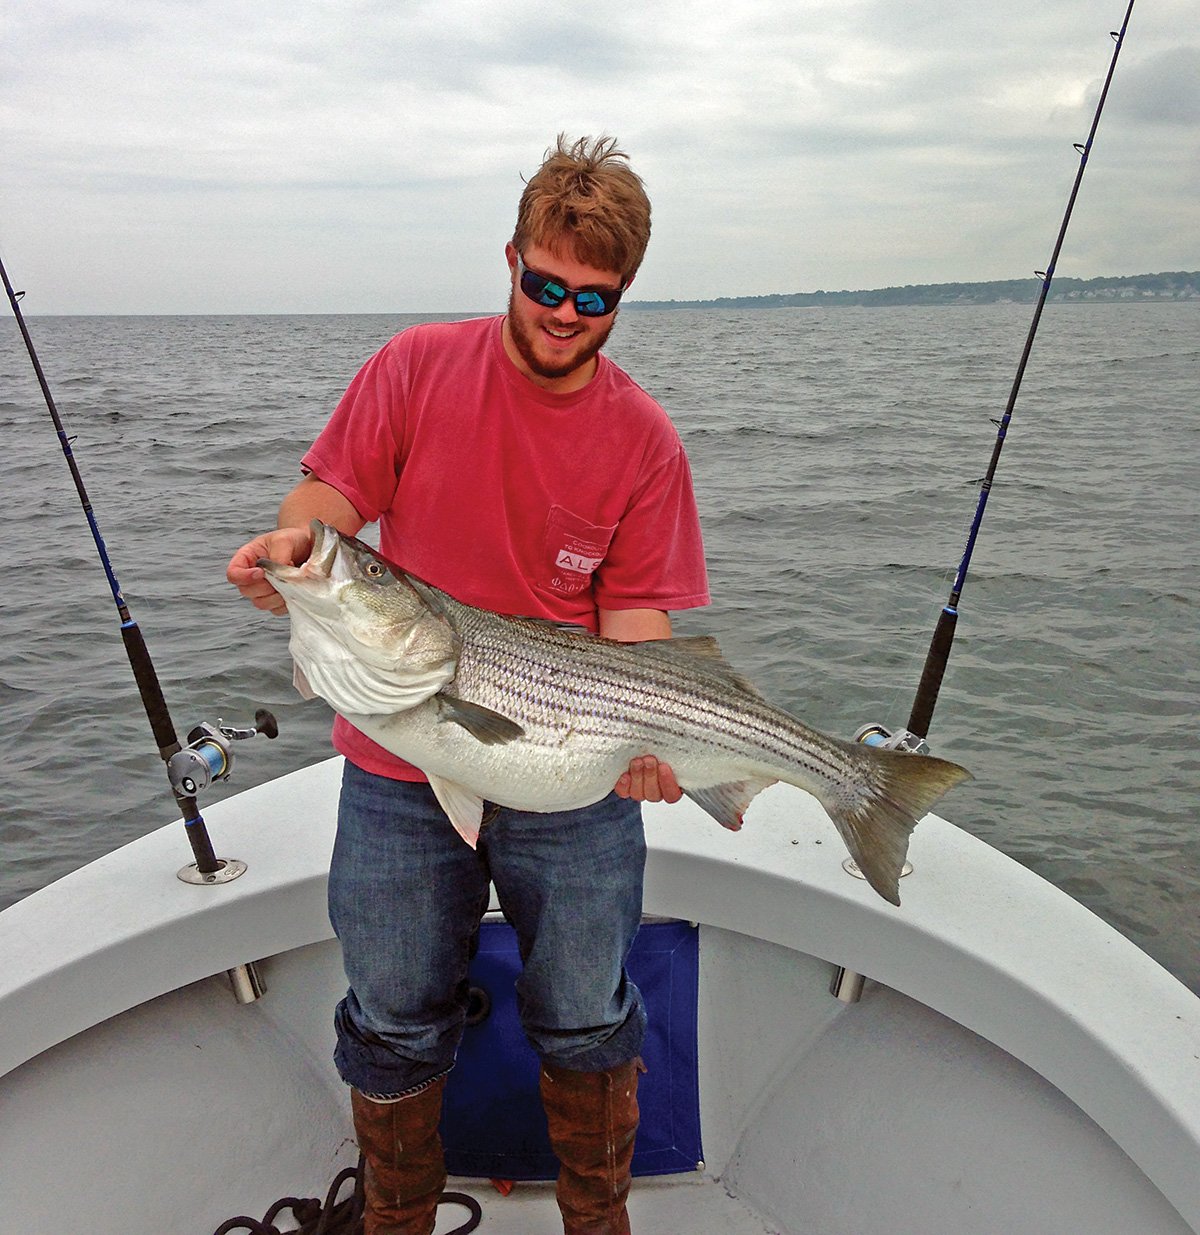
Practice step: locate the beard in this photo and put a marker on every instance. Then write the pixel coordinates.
(523, 338)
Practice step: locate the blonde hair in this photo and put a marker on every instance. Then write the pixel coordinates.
(585, 196)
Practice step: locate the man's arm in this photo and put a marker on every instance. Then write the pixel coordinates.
(647, 780)
(314, 499)
(634, 625)
(292, 540)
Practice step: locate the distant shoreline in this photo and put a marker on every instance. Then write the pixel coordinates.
(1168, 286)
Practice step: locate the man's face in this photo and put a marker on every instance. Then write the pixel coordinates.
(556, 346)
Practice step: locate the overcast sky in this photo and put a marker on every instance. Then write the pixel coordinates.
(366, 156)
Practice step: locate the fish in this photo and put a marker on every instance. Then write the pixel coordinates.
(541, 716)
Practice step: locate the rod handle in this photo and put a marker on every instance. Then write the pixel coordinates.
(935, 669)
(167, 741)
(150, 689)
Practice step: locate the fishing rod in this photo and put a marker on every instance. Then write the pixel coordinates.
(208, 755)
(943, 636)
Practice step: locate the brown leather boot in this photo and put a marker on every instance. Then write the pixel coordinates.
(404, 1171)
(593, 1118)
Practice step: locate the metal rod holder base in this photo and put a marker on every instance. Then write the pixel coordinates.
(850, 866)
(229, 870)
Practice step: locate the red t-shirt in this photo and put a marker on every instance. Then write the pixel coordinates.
(508, 496)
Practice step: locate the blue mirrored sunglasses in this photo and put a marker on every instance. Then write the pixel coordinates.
(550, 294)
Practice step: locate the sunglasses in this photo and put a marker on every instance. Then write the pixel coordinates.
(550, 294)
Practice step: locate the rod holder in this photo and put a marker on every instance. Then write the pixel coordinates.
(847, 985)
(246, 982)
(227, 870)
(851, 867)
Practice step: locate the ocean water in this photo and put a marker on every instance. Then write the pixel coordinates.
(836, 454)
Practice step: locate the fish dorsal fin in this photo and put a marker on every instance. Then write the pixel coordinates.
(704, 646)
(704, 653)
(481, 723)
(463, 807)
(699, 651)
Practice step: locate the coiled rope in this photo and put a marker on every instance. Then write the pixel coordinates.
(338, 1217)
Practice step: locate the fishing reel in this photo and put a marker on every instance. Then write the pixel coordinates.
(208, 756)
(901, 739)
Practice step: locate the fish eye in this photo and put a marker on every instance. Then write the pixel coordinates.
(373, 570)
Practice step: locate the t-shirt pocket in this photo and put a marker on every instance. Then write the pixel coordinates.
(572, 549)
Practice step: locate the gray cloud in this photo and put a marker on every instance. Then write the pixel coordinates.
(303, 157)
(1165, 88)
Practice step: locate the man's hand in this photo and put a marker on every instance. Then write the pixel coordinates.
(649, 780)
(289, 544)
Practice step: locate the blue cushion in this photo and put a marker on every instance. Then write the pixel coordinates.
(493, 1125)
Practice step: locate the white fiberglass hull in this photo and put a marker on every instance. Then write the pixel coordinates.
(1016, 1065)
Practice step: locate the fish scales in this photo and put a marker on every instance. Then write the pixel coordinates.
(540, 717)
(553, 677)
(496, 663)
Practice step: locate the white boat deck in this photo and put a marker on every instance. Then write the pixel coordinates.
(663, 1206)
(893, 1115)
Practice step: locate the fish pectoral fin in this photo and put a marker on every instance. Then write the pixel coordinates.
(481, 723)
(300, 682)
(463, 807)
(728, 803)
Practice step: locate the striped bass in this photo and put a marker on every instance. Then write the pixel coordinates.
(540, 717)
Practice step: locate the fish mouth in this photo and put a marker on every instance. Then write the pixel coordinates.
(318, 565)
(324, 549)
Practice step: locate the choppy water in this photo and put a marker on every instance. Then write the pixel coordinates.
(834, 452)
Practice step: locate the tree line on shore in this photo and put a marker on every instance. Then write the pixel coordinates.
(1168, 285)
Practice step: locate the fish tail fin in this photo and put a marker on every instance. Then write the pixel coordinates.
(876, 819)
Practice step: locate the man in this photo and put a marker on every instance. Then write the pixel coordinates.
(510, 463)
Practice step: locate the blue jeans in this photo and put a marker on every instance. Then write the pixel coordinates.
(406, 895)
